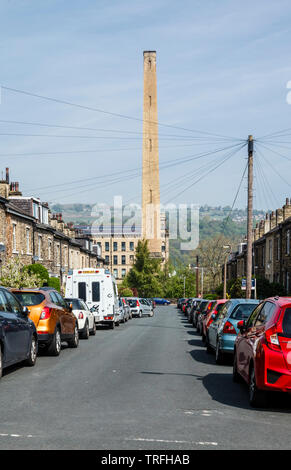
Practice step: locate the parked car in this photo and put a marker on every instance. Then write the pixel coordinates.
(183, 306)
(179, 303)
(203, 314)
(223, 330)
(126, 308)
(208, 319)
(188, 306)
(18, 335)
(85, 318)
(160, 301)
(146, 307)
(52, 316)
(262, 350)
(135, 307)
(194, 306)
(197, 311)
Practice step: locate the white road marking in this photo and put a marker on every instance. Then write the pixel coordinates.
(167, 441)
(15, 435)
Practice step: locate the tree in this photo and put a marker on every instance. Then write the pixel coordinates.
(174, 284)
(145, 275)
(13, 274)
(38, 269)
(54, 282)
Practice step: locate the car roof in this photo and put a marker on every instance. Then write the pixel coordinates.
(281, 301)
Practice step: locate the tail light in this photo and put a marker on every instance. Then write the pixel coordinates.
(81, 316)
(137, 303)
(229, 329)
(45, 314)
(271, 338)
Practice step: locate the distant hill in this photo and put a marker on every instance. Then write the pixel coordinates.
(212, 221)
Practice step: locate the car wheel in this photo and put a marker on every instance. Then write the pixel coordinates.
(93, 331)
(140, 314)
(74, 342)
(1, 362)
(257, 398)
(112, 325)
(31, 360)
(235, 375)
(218, 353)
(203, 337)
(86, 333)
(54, 348)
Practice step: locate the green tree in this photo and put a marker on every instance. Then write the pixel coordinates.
(54, 282)
(39, 270)
(146, 275)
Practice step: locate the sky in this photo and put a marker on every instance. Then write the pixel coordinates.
(222, 71)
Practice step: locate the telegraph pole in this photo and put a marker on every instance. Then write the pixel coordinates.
(197, 276)
(250, 217)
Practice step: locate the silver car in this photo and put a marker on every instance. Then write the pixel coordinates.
(139, 307)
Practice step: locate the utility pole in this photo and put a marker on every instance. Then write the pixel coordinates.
(250, 217)
(197, 276)
(226, 247)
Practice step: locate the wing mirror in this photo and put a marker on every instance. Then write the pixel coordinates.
(25, 311)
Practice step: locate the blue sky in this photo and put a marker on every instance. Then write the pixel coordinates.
(222, 68)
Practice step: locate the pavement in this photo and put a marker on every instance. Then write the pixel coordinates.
(148, 384)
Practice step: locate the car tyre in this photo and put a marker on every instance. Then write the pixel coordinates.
(31, 360)
(86, 332)
(1, 362)
(257, 398)
(74, 342)
(112, 325)
(236, 378)
(218, 354)
(93, 331)
(55, 347)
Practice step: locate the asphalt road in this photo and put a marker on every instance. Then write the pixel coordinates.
(148, 384)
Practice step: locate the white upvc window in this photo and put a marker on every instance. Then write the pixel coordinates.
(39, 247)
(49, 248)
(27, 240)
(14, 246)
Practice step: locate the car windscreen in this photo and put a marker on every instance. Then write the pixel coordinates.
(29, 299)
(242, 311)
(132, 303)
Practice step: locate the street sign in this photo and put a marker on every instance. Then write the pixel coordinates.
(244, 284)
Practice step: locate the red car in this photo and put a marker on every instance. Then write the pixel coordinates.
(262, 353)
(209, 319)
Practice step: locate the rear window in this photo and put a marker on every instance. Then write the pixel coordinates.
(219, 307)
(95, 292)
(76, 304)
(242, 311)
(286, 325)
(132, 303)
(29, 299)
(82, 290)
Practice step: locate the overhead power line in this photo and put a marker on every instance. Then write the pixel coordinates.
(119, 115)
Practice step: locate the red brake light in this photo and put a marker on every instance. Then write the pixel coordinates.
(229, 329)
(81, 316)
(271, 338)
(45, 314)
(137, 303)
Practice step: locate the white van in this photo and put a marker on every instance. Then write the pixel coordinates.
(97, 287)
